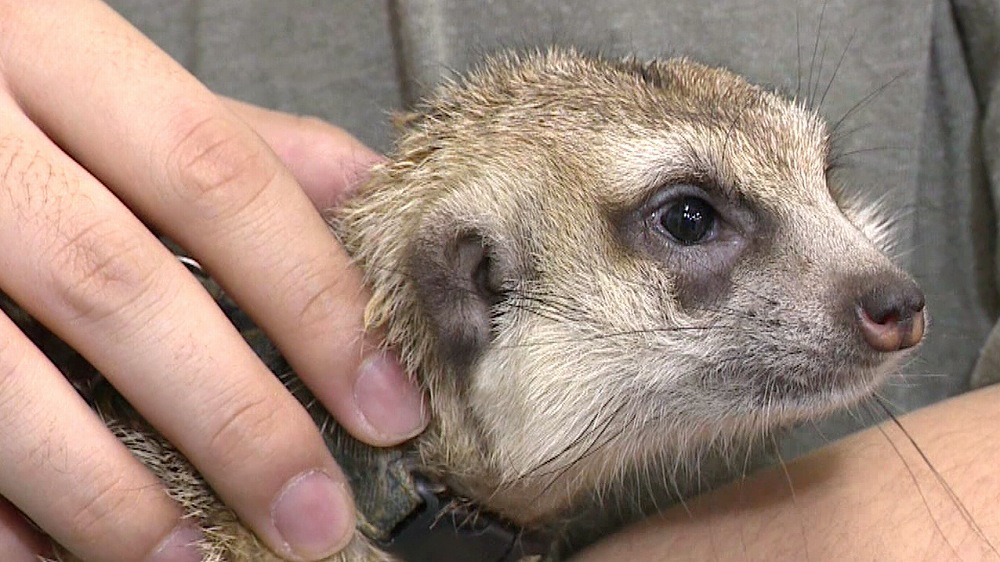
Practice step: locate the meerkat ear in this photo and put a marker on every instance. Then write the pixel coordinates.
(458, 281)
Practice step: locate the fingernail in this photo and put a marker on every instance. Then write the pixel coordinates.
(180, 546)
(388, 399)
(313, 514)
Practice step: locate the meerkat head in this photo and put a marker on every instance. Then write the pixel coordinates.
(593, 264)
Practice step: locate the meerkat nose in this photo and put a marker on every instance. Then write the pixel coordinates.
(891, 317)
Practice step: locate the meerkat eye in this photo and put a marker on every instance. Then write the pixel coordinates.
(688, 220)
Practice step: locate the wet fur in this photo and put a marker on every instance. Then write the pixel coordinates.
(574, 358)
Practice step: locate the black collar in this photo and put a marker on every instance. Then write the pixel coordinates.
(416, 520)
(446, 529)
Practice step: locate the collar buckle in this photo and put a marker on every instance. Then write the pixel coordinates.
(445, 530)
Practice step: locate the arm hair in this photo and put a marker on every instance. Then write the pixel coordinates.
(870, 496)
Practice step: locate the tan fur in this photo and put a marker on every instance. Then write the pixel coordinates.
(594, 374)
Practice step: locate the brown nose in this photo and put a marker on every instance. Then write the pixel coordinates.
(892, 318)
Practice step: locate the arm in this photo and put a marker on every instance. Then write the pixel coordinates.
(868, 497)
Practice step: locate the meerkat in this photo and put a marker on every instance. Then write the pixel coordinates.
(603, 272)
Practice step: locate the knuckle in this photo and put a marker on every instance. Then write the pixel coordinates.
(245, 430)
(216, 166)
(318, 296)
(31, 184)
(96, 511)
(14, 384)
(102, 510)
(323, 303)
(88, 265)
(97, 270)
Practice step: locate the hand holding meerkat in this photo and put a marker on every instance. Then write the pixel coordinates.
(604, 273)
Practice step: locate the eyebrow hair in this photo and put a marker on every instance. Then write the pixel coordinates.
(693, 167)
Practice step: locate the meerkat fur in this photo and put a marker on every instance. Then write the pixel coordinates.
(515, 248)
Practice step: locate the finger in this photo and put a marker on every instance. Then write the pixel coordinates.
(326, 161)
(170, 149)
(18, 541)
(63, 467)
(108, 288)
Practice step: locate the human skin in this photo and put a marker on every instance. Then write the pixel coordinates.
(868, 497)
(103, 138)
(100, 130)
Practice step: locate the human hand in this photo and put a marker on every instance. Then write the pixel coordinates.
(99, 128)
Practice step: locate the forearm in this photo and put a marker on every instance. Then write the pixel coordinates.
(870, 496)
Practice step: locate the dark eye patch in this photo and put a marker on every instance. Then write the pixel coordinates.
(695, 231)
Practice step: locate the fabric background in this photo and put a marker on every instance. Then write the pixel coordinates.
(913, 81)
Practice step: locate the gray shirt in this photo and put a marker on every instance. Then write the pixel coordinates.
(909, 85)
